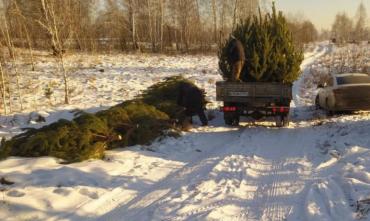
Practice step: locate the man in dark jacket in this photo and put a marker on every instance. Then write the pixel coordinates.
(192, 99)
(236, 58)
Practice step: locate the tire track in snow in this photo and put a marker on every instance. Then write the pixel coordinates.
(320, 51)
(116, 195)
(165, 200)
(281, 157)
(232, 182)
(274, 210)
(200, 165)
(279, 188)
(258, 159)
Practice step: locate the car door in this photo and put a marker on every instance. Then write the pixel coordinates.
(326, 94)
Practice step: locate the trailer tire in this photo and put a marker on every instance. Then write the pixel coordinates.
(278, 121)
(228, 121)
(231, 120)
(236, 121)
(285, 120)
(282, 121)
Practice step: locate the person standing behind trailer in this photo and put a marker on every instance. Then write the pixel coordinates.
(236, 57)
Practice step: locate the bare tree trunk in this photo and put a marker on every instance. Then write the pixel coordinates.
(8, 91)
(10, 46)
(235, 13)
(222, 21)
(186, 36)
(61, 58)
(132, 12)
(178, 38)
(155, 30)
(3, 90)
(150, 21)
(199, 25)
(214, 20)
(162, 23)
(134, 32)
(29, 47)
(51, 26)
(65, 79)
(24, 19)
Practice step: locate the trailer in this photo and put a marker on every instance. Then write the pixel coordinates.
(254, 99)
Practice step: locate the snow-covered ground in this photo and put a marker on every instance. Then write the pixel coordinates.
(318, 168)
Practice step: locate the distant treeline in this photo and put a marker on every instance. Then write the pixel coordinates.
(159, 26)
(346, 29)
(146, 25)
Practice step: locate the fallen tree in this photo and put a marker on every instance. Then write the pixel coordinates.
(163, 96)
(138, 121)
(75, 140)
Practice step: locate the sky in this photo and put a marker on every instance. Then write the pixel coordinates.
(321, 12)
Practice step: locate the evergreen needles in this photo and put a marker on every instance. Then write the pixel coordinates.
(269, 50)
(138, 121)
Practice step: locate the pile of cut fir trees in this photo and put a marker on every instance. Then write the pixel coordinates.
(269, 50)
(138, 121)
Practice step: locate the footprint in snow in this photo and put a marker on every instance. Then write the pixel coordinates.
(62, 191)
(15, 193)
(91, 194)
(154, 164)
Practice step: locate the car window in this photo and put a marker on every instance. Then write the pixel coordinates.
(353, 80)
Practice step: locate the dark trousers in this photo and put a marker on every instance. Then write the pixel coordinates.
(201, 115)
(203, 118)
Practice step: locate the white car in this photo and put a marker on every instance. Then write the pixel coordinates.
(344, 92)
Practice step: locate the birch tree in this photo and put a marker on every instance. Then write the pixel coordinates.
(3, 89)
(9, 44)
(50, 23)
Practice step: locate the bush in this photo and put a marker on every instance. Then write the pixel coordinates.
(270, 53)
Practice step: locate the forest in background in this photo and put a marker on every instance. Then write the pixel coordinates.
(154, 26)
(149, 25)
(126, 25)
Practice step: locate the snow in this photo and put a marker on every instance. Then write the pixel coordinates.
(318, 168)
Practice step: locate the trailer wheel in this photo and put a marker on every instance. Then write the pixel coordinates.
(278, 121)
(236, 121)
(285, 120)
(228, 121)
(282, 121)
(231, 120)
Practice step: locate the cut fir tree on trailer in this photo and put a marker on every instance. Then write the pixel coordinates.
(271, 65)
